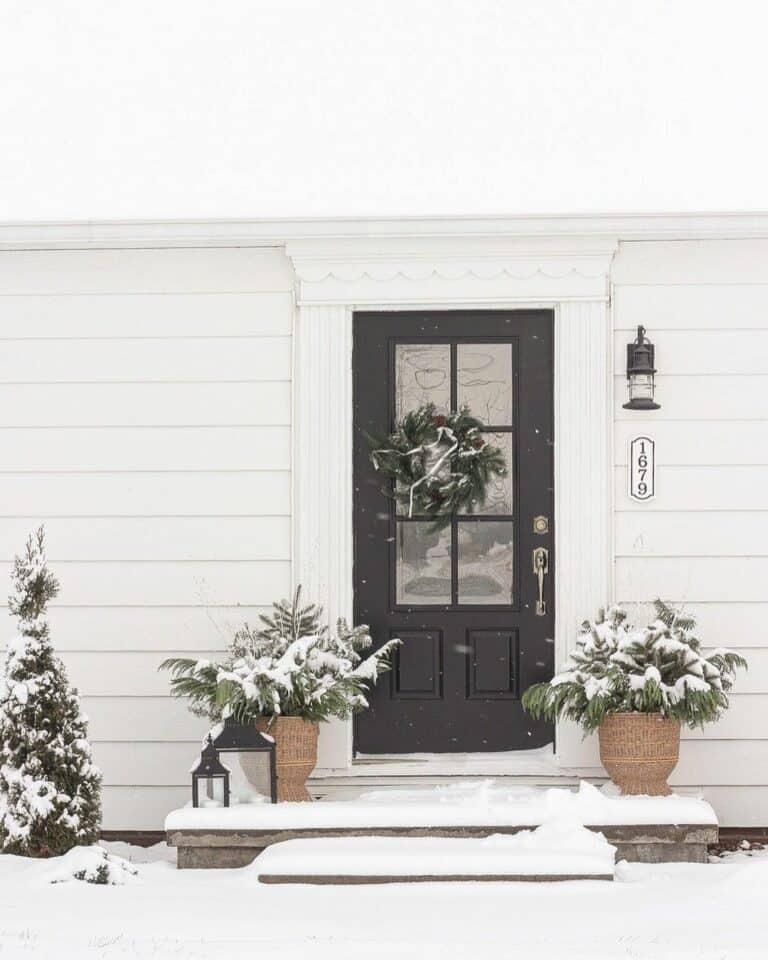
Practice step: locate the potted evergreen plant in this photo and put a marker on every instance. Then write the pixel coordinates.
(636, 686)
(285, 677)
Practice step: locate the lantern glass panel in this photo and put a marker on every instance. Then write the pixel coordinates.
(210, 792)
(249, 776)
(641, 386)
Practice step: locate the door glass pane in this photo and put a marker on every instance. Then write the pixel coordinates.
(422, 375)
(484, 381)
(498, 490)
(485, 551)
(422, 564)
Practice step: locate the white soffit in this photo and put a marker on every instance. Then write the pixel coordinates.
(107, 234)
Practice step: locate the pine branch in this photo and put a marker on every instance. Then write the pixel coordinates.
(654, 669)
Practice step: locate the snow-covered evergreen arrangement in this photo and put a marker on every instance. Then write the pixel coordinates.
(618, 668)
(50, 791)
(91, 865)
(291, 666)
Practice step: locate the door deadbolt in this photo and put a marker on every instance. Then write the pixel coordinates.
(541, 569)
(540, 525)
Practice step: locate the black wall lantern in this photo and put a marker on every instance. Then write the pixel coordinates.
(640, 374)
(210, 774)
(251, 754)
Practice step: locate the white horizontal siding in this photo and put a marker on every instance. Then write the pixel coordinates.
(730, 579)
(699, 263)
(703, 540)
(145, 411)
(124, 674)
(705, 306)
(162, 538)
(699, 533)
(164, 629)
(214, 270)
(257, 493)
(145, 404)
(117, 719)
(150, 583)
(124, 316)
(140, 808)
(721, 763)
(131, 449)
(146, 360)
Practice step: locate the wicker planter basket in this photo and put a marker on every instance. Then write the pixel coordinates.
(639, 751)
(295, 754)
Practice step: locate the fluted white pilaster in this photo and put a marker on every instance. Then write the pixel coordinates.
(322, 555)
(583, 419)
(322, 478)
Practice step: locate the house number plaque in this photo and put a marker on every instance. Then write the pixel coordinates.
(642, 468)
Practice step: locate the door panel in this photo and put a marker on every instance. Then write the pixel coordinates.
(463, 599)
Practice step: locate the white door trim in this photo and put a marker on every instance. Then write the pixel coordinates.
(333, 278)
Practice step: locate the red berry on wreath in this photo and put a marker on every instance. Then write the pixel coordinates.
(439, 420)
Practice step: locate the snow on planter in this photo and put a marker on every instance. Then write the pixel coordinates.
(559, 850)
(471, 805)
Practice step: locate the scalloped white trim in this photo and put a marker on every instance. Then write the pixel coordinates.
(348, 273)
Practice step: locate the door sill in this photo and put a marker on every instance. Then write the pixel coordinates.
(540, 762)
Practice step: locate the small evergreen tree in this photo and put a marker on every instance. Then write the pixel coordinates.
(49, 788)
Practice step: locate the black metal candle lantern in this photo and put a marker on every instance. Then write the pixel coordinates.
(640, 374)
(244, 743)
(211, 773)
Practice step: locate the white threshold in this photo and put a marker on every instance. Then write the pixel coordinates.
(538, 765)
(532, 763)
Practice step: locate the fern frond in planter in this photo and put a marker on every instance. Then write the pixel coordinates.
(617, 668)
(291, 666)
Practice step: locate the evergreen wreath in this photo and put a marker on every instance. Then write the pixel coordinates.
(437, 463)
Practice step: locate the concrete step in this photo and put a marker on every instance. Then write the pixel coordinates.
(643, 829)
(554, 855)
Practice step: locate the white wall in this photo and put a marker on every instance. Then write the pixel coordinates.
(704, 539)
(145, 417)
(145, 410)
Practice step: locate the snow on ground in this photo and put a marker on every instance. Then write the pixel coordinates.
(674, 911)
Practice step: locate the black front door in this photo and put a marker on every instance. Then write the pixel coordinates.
(464, 600)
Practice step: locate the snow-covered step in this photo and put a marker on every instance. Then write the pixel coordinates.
(646, 829)
(561, 850)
